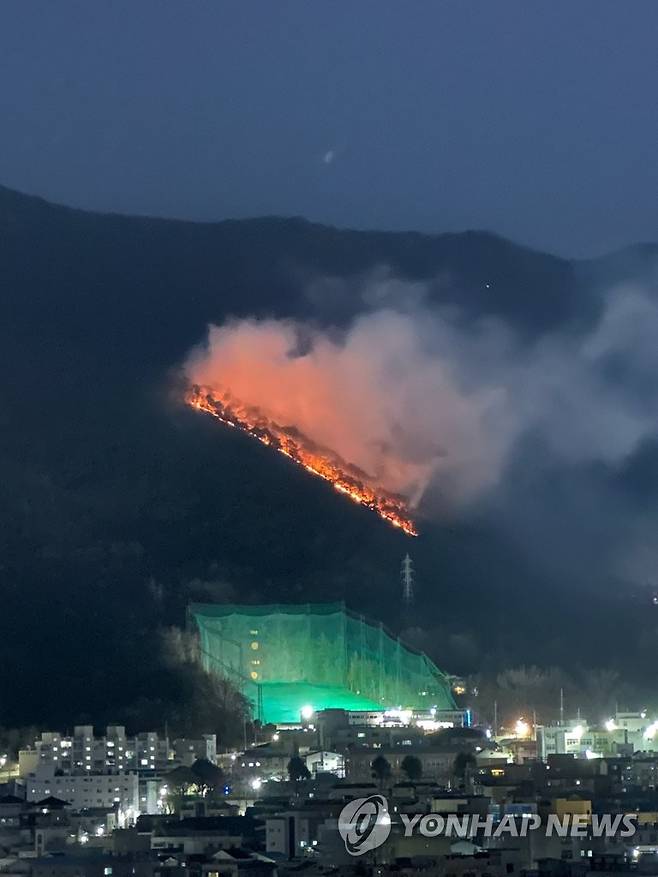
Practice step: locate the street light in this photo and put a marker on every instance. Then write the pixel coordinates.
(650, 732)
(522, 728)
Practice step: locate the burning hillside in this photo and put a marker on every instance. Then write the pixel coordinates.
(385, 394)
(344, 477)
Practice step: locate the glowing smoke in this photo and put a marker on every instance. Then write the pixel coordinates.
(376, 395)
(411, 396)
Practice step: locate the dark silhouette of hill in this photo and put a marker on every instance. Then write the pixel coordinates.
(117, 506)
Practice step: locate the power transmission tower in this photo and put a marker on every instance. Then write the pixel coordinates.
(407, 577)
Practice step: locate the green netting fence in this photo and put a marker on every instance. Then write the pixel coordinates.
(286, 656)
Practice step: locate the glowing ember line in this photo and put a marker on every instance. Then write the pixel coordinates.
(346, 479)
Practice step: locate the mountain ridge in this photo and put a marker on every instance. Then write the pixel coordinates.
(118, 505)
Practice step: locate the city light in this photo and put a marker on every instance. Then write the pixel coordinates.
(522, 728)
(256, 783)
(398, 715)
(611, 725)
(578, 731)
(307, 712)
(650, 732)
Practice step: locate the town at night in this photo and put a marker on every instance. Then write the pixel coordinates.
(328, 438)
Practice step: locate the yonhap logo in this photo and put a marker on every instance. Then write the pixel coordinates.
(364, 824)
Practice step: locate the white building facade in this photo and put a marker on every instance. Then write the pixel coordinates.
(86, 791)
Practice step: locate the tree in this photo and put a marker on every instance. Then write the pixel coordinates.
(413, 767)
(297, 769)
(381, 769)
(12, 740)
(179, 783)
(189, 700)
(464, 762)
(209, 776)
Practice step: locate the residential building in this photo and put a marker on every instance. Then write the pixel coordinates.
(187, 751)
(82, 791)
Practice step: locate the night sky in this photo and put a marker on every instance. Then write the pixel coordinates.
(536, 121)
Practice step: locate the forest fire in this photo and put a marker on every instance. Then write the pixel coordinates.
(344, 477)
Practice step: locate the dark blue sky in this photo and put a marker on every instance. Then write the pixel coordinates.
(535, 120)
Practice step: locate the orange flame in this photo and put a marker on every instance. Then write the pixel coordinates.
(344, 477)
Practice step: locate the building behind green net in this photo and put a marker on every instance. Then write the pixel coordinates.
(319, 655)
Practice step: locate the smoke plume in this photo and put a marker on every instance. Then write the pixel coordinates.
(414, 395)
(375, 394)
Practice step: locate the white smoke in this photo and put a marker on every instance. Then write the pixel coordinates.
(414, 395)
